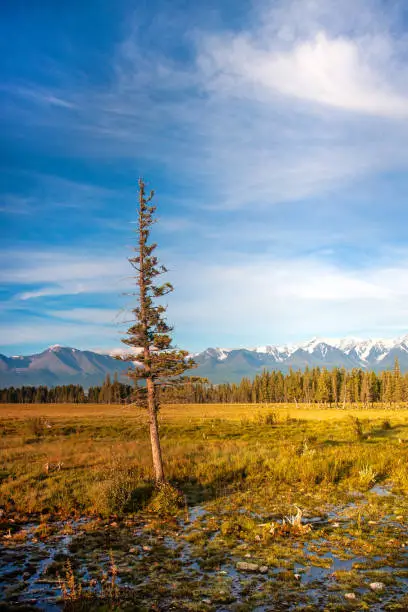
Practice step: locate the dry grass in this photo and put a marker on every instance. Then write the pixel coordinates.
(174, 412)
(105, 465)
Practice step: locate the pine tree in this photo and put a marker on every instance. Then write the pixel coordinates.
(158, 363)
(397, 386)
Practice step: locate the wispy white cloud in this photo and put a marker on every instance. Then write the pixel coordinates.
(256, 299)
(290, 107)
(338, 72)
(93, 316)
(46, 333)
(275, 300)
(58, 273)
(41, 96)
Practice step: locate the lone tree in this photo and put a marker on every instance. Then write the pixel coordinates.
(158, 362)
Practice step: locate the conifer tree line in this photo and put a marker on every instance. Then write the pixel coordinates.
(69, 394)
(332, 387)
(317, 385)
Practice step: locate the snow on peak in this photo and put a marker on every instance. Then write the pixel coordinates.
(315, 343)
(221, 353)
(363, 349)
(58, 347)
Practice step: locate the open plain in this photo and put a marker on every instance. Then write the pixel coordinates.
(281, 507)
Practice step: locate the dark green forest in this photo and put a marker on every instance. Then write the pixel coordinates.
(332, 387)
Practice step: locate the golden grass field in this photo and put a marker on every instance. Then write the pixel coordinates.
(102, 449)
(182, 412)
(241, 469)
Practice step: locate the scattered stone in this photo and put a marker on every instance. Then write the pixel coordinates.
(377, 586)
(244, 566)
(263, 569)
(350, 595)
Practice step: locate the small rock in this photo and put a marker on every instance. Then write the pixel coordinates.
(206, 601)
(377, 586)
(263, 569)
(248, 556)
(147, 548)
(350, 595)
(244, 566)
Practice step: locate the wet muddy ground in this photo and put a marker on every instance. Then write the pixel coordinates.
(217, 557)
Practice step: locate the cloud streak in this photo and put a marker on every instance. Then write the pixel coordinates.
(279, 300)
(336, 72)
(254, 112)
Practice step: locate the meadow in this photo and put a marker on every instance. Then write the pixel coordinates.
(279, 507)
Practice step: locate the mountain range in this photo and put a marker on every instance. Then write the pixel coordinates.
(59, 365)
(230, 365)
(63, 365)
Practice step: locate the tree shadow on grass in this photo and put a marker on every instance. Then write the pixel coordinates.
(392, 432)
(221, 485)
(140, 497)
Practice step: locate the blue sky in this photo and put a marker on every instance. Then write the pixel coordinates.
(275, 134)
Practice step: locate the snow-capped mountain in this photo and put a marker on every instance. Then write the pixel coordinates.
(58, 365)
(63, 365)
(227, 365)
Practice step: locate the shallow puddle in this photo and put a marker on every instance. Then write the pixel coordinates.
(191, 563)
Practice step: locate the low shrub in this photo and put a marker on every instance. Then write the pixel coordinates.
(167, 500)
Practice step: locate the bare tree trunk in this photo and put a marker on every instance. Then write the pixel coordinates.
(154, 432)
